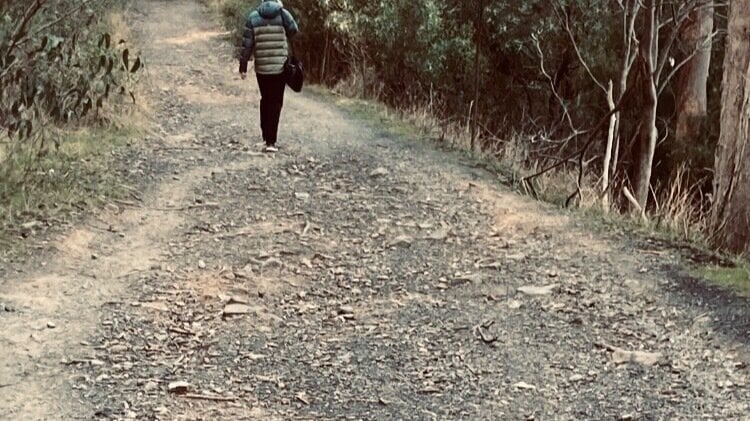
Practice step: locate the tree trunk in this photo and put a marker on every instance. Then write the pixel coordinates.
(324, 62)
(477, 75)
(692, 97)
(646, 143)
(645, 147)
(730, 216)
(607, 163)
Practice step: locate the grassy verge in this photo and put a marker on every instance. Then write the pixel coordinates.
(39, 192)
(736, 278)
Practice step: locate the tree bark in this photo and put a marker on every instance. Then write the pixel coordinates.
(645, 146)
(730, 216)
(692, 97)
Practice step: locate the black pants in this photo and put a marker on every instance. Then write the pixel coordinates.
(271, 101)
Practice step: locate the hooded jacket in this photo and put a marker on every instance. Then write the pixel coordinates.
(265, 38)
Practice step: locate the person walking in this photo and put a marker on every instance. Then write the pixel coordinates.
(268, 31)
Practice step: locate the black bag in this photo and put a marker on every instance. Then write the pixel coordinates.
(294, 73)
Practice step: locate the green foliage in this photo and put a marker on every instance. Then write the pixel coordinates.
(59, 67)
(736, 278)
(58, 64)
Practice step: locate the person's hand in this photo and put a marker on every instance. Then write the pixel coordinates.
(243, 76)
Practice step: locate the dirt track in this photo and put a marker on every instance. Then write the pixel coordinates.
(382, 279)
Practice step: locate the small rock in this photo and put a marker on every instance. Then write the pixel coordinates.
(440, 234)
(118, 349)
(30, 225)
(235, 299)
(401, 241)
(575, 378)
(524, 386)
(50, 325)
(537, 290)
(469, 278)
(179, 387)
(344, 310)
(201, 264)
(156, 306)
(515, 304)
(245, 273)
(236, 310)
(272, 262)
(648, 359)
(104, 412)
(302, 195)
(379, 172)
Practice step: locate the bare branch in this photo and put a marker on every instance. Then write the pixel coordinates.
(23, 26)
(566, 20)
(566, 114)
(592, 136)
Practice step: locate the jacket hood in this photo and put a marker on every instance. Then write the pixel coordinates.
(270, 9)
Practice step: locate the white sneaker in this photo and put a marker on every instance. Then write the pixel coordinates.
(270, 149)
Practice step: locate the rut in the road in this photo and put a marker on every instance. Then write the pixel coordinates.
(370, 277)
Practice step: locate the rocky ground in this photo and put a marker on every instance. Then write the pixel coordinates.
(354, 275)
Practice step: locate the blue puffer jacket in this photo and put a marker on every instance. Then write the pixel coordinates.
(266, 35)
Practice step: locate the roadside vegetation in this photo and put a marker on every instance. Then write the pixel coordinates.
(69, 79)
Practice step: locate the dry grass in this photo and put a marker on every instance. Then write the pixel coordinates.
(678, 212)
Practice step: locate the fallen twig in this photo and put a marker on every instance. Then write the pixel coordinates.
(126, 203)
(180, 331)
(177, 148)
(579, 154)
(209, 397)
(241, 233)
(634, 202)
(602, 345)
(190, 207)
